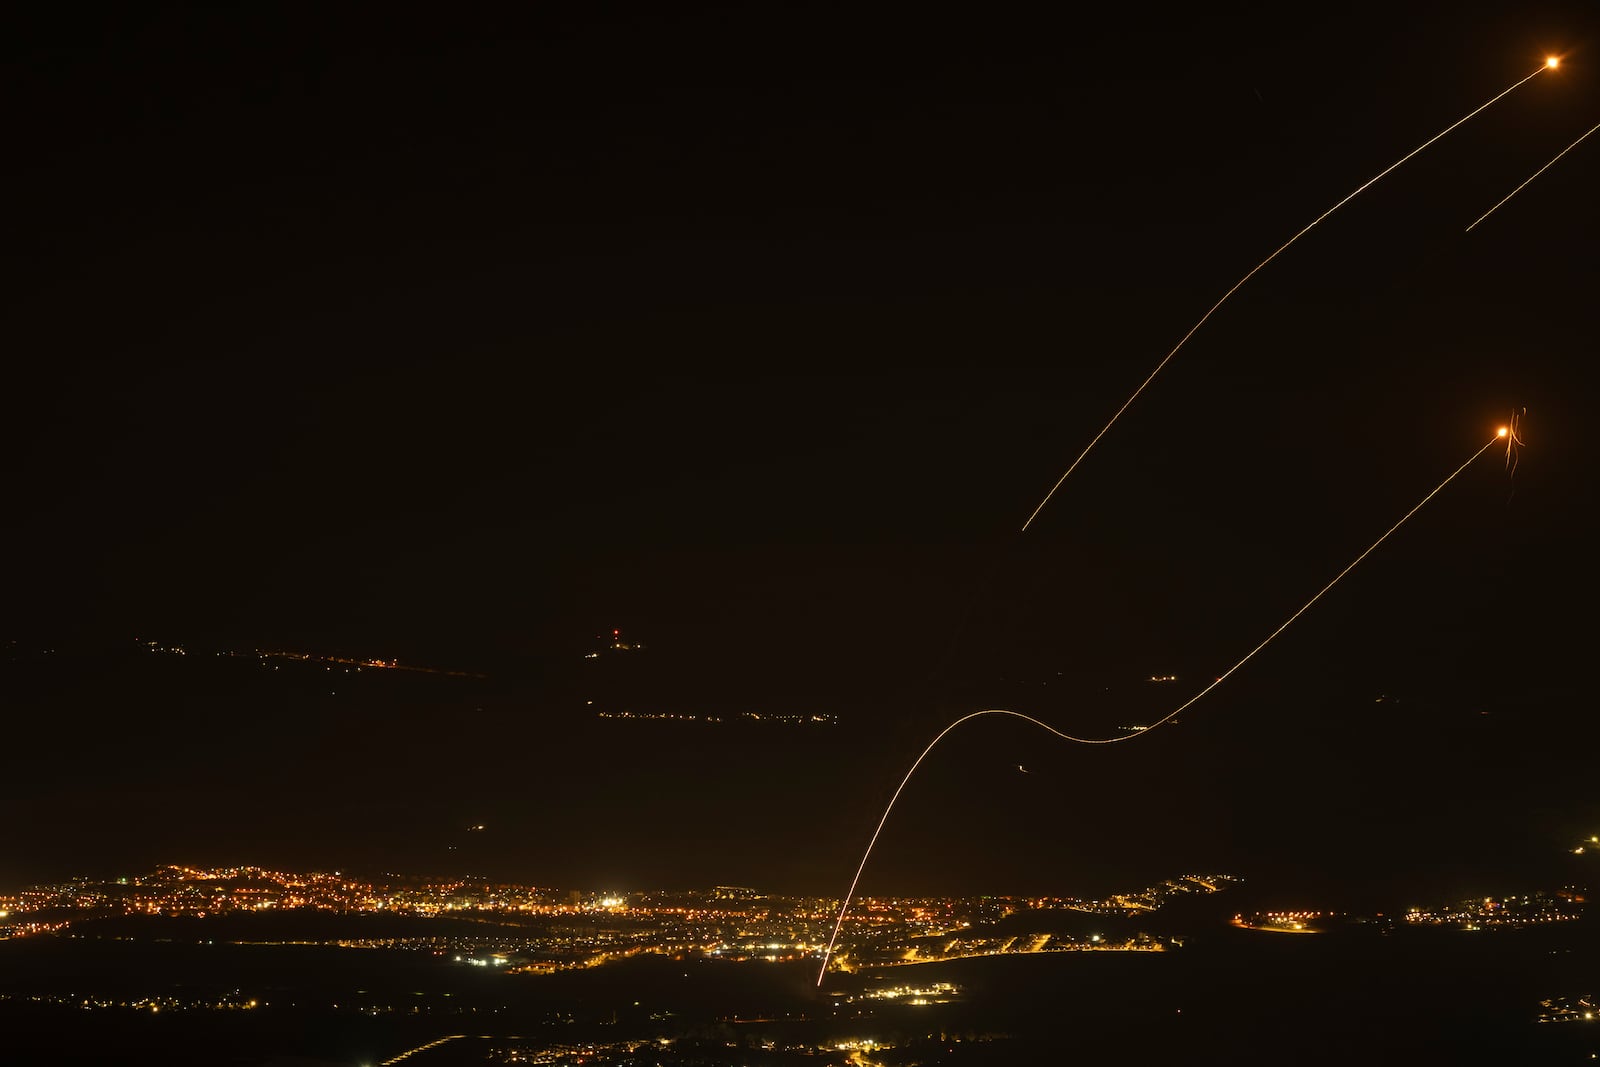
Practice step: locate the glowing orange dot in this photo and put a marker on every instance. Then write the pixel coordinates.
(1501, 432)
(1552, 62)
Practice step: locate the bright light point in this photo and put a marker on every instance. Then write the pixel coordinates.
(1552, 62)
(1500, 432)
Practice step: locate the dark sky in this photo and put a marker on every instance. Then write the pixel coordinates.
(757, 332)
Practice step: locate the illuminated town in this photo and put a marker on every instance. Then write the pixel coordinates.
(329, 662)
(1503, 913)
(892, 966)
(523, 929)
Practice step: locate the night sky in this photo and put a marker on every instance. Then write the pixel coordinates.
(756, 333)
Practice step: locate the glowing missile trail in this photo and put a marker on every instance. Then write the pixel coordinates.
(1535, 174)
(1549, 64)
(1511, 433)
(1501, 435)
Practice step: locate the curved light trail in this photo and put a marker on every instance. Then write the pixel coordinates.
(1501, 435)
(1535, 174)
(1549, 64)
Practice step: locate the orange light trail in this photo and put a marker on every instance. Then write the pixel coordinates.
(844, 908)
(1549, 64)
(1511, 434)
(1532, 176)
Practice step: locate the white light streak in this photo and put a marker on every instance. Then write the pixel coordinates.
(865, 856)
(1253, 270)
(1532, 176)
